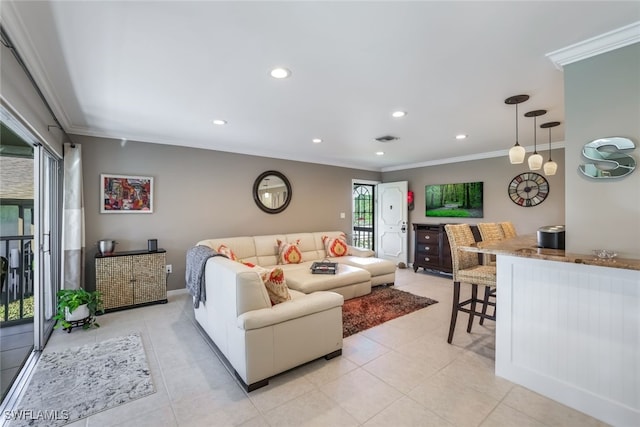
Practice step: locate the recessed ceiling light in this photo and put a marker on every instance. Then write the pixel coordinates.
(399, 113)
(461, 136)
(219, 122)
(316, 140)
(280, 73)
(379, 153)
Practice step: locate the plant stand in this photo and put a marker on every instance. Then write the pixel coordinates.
(77, 323)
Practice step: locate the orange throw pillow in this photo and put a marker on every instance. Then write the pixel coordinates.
(276, 285)
(289, 253)
(226, 251)
(336, 246)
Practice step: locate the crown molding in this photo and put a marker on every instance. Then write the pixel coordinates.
(468, 158)
(603, 43)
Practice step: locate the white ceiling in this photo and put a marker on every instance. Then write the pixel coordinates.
(161, 71)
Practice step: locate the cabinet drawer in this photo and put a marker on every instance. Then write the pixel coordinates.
(431, 247)
(423, 236)
(427, 258)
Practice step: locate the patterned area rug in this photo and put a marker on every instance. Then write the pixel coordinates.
(75, 383)
(380, 305)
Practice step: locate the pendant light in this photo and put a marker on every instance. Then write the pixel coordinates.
(517, 152)
(550, 167)
(535, 160)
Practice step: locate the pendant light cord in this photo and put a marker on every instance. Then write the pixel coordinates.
(535, 131)
(517, 124)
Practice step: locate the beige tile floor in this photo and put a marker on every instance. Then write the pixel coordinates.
(401, 373)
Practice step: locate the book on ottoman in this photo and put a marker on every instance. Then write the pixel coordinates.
(324, 267)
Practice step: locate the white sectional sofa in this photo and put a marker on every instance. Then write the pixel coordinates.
(261, 340)
(357, 271)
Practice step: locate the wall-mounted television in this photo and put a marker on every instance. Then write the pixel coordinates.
(461, 200)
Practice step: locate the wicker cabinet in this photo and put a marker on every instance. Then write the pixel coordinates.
(129, 279)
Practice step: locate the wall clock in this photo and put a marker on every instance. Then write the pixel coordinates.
(528, 189)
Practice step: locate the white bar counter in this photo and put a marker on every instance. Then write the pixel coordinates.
(568, 327)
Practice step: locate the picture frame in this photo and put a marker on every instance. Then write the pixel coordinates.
(126, 193)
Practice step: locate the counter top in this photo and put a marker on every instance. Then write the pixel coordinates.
(527, 246)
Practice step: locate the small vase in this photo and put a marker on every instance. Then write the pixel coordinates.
(82, 312)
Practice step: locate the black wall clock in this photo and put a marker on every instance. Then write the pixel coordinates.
(528, 189)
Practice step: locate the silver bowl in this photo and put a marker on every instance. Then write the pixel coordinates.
(106, 247)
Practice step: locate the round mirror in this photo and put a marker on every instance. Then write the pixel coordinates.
(272, 192)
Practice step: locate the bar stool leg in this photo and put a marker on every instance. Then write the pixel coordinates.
(487, 293)
(474, 298)
(454, 310)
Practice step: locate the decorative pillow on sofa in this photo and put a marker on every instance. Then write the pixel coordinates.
(226, 251)
(289, 253)
(335, 246)
(273, 280)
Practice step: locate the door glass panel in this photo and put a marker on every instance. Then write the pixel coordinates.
(16, 255)
(363, 215)
(48, 240)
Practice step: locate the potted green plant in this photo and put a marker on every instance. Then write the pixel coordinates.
(79, 306)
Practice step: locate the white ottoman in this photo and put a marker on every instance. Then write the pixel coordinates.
(348, 281)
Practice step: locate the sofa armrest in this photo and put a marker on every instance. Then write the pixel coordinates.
(288, 310)
(361, 252)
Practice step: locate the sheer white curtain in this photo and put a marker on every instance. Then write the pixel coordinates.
(73, 219)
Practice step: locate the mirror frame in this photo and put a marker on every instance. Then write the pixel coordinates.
(256, 195)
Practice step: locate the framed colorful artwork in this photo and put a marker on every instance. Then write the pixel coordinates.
(126, 194)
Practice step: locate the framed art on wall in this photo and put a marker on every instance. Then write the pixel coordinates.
(126, 194)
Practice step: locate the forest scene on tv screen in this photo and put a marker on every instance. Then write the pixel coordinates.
(463, 200)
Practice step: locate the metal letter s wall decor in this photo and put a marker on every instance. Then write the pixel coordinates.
(609, 159)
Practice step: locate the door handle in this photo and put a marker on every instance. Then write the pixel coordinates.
(46, 243)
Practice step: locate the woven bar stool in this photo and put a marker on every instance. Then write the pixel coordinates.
(466, 268)
(489, 232)
(508, 229)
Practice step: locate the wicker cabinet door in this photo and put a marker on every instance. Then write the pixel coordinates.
(150, 280)
(114, 281)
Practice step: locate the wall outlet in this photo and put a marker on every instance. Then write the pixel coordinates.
(168, 268)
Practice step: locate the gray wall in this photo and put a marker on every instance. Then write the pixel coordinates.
(496, 173)
(19, 96)
(202, 194)
(602, 98)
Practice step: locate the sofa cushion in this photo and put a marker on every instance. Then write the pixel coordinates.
(375, 266)
(243, 247)
(289, 253)
(309, 248)
(335, 246)
(267, 249)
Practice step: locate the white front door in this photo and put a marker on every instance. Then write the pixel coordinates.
(391, 240)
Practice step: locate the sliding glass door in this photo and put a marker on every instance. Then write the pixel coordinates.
(48, 242)
(30, 247)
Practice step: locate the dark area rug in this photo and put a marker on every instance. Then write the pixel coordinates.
(382, 304)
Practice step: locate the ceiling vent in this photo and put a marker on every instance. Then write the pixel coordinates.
(387, 138)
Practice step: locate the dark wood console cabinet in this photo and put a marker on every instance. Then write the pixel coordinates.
(431, 247)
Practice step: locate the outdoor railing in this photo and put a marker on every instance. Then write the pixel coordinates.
(16, 262)
(362, 237)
